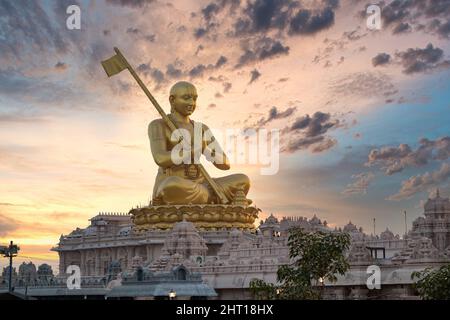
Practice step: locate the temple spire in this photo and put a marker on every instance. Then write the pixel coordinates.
(437, 193)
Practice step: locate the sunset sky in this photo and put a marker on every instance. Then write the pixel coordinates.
(364, 115)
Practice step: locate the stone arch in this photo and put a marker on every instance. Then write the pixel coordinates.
(181, 273)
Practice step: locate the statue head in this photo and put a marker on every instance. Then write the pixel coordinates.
(183, 98)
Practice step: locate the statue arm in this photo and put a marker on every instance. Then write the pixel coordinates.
(158, 144)
(221, 163)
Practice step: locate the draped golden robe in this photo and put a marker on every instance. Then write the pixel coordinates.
(184, 184)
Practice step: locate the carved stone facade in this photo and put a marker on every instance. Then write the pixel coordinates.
(436, 223)
(111, 249)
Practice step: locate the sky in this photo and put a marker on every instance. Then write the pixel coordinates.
(363, 114)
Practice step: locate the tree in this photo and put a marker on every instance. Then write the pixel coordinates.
(316, 257)
(433, 284)
(262, 290)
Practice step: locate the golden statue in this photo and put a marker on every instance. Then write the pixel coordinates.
(184, 183)
(183, 190)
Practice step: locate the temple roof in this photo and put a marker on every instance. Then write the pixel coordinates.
(437, 204)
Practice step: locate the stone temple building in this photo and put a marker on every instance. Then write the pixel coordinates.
(117, 261)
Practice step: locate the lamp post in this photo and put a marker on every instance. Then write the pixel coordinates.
(10, 252)
(322, 286)
(172, 295)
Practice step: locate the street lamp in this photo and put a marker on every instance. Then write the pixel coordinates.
(322, 286)
(278, 292)
(172, 294)
(10, 252)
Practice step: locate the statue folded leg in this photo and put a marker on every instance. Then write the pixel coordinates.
(232, 183)
(177, 190)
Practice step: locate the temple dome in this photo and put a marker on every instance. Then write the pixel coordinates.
(235, 233)
(437, 204)
(184, 226)
(387, 235)
(271, 219)
(315, 220)
(350, 227)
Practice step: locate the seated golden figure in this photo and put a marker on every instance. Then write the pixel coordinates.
(178, 184)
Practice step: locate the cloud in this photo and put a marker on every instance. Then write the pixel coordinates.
(133, 30)
(199, 70)
(27, 23)
(130, 3)
(274, 114)
(256, 20)
(421, 183)
(210, 10)
(254, 75)
(316, 144)
(395, 159)
(226, 86)
(292, 17)
(173, 72)
(362, 84)
(395, 12)
(402, 28)
(308, 22)
(14, 84)
(214, 8)
(262, 15)
(150, 37)
(326, 144)
(421, 60)
(354, 35)
(318, 124)
(301, 143)
(360, 185)
(7, 225)
(402, 16)
(147, 70)
(381, 59)
(261, 49)
(221, 61)
(61, 66)
(310, 132)
(200, 32)
(442, 29)
(209, 14)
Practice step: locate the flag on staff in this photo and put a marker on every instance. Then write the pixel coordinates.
(113, 65)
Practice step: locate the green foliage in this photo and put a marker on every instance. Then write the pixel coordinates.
(316, 256)
(433, 284)
(262, 290)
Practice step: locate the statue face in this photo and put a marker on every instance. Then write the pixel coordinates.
(184, 100)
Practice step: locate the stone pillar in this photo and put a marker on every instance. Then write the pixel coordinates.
(83, 262)
(130, 255)
(114, 253)
(62, 263)
(149, 253)
(97, 262)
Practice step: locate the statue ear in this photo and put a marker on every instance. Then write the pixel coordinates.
(171, 98)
